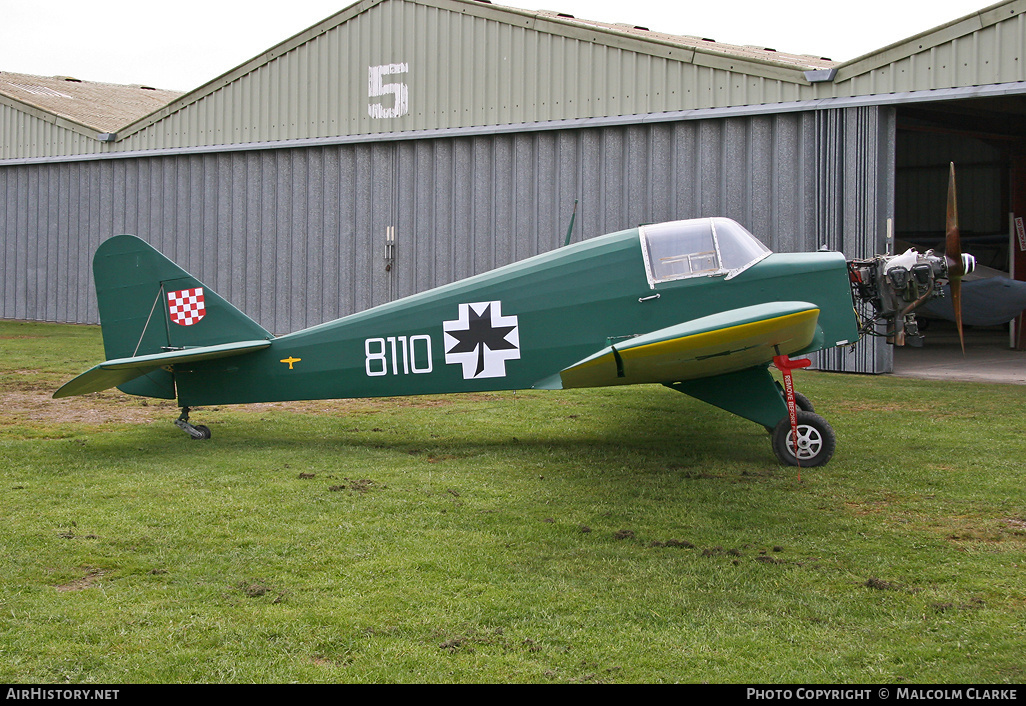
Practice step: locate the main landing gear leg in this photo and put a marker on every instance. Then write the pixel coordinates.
(802, 438)
(198, 431)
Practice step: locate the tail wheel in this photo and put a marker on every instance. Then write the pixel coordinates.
(816, 441)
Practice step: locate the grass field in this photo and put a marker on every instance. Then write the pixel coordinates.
(615, 535)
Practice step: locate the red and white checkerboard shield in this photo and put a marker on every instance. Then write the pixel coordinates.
(186, 306)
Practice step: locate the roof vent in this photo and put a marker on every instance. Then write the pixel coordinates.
(820, 75)
(72, 79)
(706, 39)
(148, 88)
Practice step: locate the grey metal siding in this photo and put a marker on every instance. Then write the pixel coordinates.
(25, 134)
(296, 237)
(982, 48)
(470, 65)
(465, 64)
(855, 183)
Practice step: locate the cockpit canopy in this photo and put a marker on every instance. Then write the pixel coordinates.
(698, 247)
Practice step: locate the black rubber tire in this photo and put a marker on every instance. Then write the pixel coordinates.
(803, 402)
(816, 441)
(800, 400)
(202, 428)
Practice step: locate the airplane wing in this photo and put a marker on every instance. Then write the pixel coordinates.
(115, 372)
(709, 346)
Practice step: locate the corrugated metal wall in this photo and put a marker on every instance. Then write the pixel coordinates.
(987, 47)
(855, 197)
(35, 134)
(462, 65)
(296, 237)
(465, 64)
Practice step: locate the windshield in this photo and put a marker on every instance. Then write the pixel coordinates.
(702, 246)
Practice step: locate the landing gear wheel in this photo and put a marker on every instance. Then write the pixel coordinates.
(816, 441)
(803, 402)
(800, 400)
(197, 431)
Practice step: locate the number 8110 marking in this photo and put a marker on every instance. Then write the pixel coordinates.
(397, 352)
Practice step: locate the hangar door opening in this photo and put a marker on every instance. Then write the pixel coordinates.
(986, 140)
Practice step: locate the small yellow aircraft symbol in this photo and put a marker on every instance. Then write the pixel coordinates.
(290, 360)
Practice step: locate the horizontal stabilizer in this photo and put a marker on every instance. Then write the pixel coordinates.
(115, 372)
(712, 345)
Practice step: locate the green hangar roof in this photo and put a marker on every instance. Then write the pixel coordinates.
(387, 69)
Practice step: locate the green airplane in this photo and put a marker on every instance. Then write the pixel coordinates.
(701, 306)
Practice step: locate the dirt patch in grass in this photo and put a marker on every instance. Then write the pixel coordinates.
(253, 590)
(97, 408)
(257, 589)
(887, 407)
(880, 584)
(1006, 533)
(1017, 526)
(92, 576)
(975, 603)
(371, 405)
(1010, 532)
(976, 527)
(473, 636)
(887, 503)
(360, 486)
(25, 399)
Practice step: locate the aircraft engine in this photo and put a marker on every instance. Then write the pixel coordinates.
(890, 288)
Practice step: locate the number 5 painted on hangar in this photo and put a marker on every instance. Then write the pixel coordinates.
(377, 88)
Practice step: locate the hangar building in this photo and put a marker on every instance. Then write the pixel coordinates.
(402, 144)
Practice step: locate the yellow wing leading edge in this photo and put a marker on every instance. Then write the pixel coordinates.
(712, 345)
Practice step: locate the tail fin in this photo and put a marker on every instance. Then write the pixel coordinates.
(150, 305)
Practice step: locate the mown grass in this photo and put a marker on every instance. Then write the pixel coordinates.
(620, 535)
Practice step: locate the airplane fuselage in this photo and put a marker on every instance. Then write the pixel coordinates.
(513, 327)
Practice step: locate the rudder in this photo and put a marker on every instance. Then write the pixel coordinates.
(148, 305)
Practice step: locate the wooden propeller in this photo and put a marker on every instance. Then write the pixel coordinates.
(953, 256)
